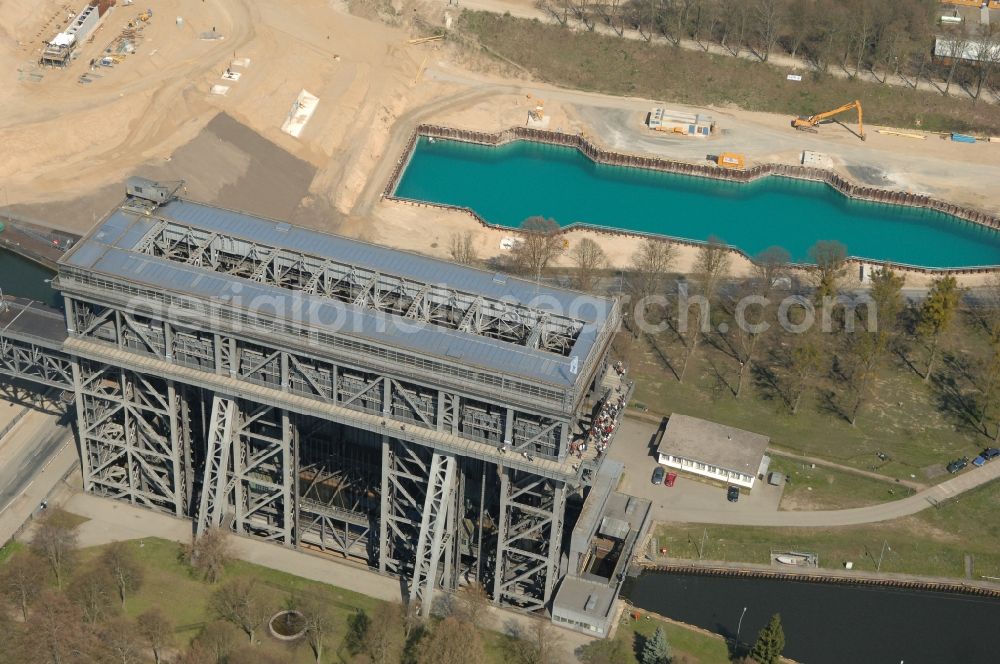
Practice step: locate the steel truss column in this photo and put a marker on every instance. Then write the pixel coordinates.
(128, 450)
(405, 472)
(434, 535)
(220, 446)
(529, 539)
(248, 470)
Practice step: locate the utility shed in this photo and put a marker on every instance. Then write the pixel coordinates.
(675, 122)
(712, 450)
(584, 605)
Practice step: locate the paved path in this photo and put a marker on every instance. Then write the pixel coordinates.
(111, 520)
(916, 486)
(34, 456)
(969, 479)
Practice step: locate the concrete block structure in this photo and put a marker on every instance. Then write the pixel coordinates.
(321, 393)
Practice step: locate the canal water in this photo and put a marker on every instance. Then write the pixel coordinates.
(24, 278)
(507, 184)
(831, 624)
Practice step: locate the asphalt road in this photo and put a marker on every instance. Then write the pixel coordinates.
(25, 451)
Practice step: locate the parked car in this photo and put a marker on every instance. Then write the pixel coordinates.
(671, 478)
(979, 461)
(990, 453)
(658, 475)
(957, 465)
(733, 494)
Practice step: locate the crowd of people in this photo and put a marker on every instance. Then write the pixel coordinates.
(605, 421)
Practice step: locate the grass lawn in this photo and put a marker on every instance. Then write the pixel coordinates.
(688, 645)
(822, 488)
(185, 599)
(933, 542)
(903, 419)
(9, 549)
(698, 647)
(590, 61)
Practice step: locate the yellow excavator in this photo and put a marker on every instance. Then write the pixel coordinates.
(804, 123)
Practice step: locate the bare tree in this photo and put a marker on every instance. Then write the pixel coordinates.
(986, 51)
(120, 643)
(768, 17)
(57, 635)
(462, 248)
(451, 642)
(711, 268)
(383, 637)
(319, 622)
(22, 579)
(119, 560)
(804, 363)
(539, 645)
(955, 42)
(539, 246)
(751, 314)
(241, 603)
(55, 540)
(651, 263)
(472, 604)
(218, 639)
(589, 259)
(157, 630)
(93, 592)
(769, 266)
(210, 553)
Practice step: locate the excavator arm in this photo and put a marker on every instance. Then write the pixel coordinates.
(807, 123)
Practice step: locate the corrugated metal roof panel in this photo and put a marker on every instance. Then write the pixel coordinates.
(110, 248)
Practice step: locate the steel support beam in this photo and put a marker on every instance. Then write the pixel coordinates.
(434, 532)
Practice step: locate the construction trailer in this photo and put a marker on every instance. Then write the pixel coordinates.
(59, 50)
(685, 124)
(326, 394)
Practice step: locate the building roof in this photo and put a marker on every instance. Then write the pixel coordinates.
(116, 248)
(713, 443)
(585, 597)
(973, 50)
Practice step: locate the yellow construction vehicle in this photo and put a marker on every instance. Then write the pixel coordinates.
(809, 123)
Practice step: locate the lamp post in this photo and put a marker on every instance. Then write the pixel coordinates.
(740, 625)
(878, 567)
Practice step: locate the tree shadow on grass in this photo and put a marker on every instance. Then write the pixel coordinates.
(954, 404)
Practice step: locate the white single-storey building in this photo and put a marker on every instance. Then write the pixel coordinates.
(716, 451)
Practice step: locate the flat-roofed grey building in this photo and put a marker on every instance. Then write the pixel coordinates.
(712, 450)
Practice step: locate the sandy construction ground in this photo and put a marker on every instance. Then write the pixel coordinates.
(69, 145)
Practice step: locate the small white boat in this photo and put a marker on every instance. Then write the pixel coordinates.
(791, 560)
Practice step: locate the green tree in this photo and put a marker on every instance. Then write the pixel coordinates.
(868, 346)
(656, 649)
(770, 642)
(830, 257)
(936, 316)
